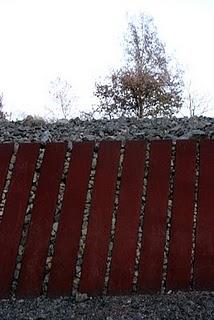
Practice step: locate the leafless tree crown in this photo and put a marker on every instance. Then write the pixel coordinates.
(2, 113)
(60, 91)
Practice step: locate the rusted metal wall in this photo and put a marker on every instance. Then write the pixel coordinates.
(134, 217)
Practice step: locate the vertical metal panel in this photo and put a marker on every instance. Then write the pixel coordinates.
(35, 253)
(154, 223)
(204, 259)
(6, 151)
(100, 218)
(69, 231)
(179, 260)
(13, 218)
(123, 256)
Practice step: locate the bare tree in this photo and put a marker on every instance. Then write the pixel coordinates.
(61, 94)
(150, 83)
(3, 114)
(195, 103)
(1, 102)
(88, 115)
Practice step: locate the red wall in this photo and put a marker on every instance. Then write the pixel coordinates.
(160, 182)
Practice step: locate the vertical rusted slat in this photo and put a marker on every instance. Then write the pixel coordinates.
(6, 151)
(179, 260)
(125, 241)
(32, 270)
(95, 255)
(154, 223)
(69, 231)
(15, 208)
(204, 253)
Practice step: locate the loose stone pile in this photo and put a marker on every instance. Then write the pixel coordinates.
(37, 130)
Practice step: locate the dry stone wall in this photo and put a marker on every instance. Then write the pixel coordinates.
(32, 130)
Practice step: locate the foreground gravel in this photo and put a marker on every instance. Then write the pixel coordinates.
(180, 305)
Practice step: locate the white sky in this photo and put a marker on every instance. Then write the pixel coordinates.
(81, 40)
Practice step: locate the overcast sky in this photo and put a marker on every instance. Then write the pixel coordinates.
(81, 40)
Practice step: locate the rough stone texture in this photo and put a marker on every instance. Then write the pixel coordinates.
(169, 217)
(8, 179)
(84, 230)
(141, 218)
(55, 225)
(114, 218)
(27, 219)
(35, 130)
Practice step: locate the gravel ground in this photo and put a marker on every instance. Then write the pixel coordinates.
(173, 306)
